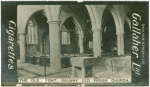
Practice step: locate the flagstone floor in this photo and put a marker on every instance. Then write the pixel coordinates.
(28, 70)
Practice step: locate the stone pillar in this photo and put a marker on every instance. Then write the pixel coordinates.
(97, 42)
(119, 43)
(22, 47)
(54, 38)
(81, 45)
(122, 43)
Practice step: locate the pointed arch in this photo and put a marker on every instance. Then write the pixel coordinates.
(117, 19)
(96, 13)
(86, 33)
(24, 14)
(37, 12)
(74, 20)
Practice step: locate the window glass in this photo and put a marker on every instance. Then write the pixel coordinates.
(32, 33)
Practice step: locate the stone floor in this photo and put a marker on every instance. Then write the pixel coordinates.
(27, 71)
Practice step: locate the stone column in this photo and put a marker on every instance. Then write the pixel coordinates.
(97, 42)
(22, 47)
(118, 43)
(54, 36)
(122, 43)
(81, 45)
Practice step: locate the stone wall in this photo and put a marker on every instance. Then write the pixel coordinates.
(116, 67)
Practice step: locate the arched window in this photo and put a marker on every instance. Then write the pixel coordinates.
(32, 33)
(88, 42)
(65, 36)
(69, 37)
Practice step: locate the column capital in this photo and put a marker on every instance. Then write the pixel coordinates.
(97, 29)
(54, 22)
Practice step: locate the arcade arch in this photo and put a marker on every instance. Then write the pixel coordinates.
(53, 21)
(109, 38)
(41, 47)
(120, 30)
(73, 29)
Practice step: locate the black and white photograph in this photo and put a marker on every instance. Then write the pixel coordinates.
(46, 43)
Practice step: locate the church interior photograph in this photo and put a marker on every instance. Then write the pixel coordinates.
(74, 41)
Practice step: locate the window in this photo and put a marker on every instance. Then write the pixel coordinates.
(65, 36)
(32, 33)
(90, 45)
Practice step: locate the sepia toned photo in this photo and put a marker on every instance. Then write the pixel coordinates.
(75, 44)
